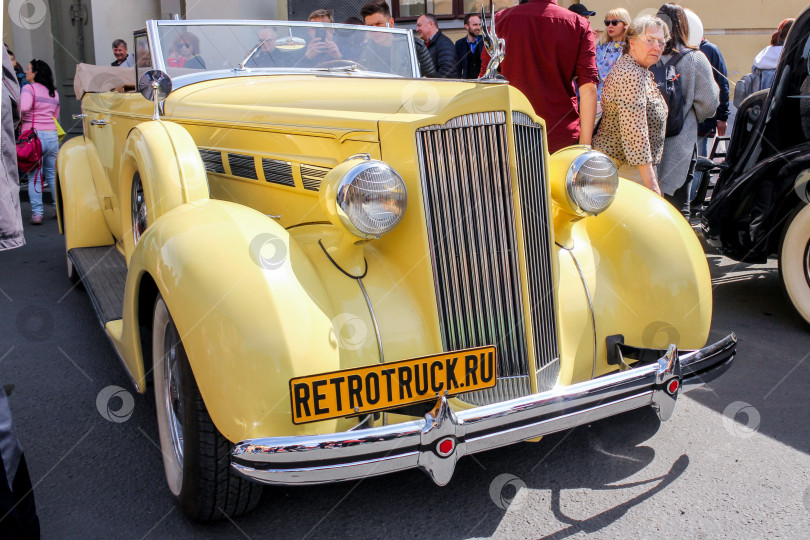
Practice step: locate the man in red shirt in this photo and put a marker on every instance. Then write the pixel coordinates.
(548, 49)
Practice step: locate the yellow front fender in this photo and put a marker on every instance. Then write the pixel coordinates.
(171, 171)
(250, 309)
(649, 283)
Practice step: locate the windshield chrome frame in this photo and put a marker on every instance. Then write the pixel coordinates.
(155, 49)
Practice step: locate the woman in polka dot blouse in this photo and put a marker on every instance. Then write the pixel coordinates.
(634, 113)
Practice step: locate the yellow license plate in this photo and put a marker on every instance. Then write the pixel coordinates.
(350, 392)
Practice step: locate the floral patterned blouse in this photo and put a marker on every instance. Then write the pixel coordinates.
(634, 115)
(606, 56)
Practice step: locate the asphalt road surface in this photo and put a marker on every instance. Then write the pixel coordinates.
(732, 463)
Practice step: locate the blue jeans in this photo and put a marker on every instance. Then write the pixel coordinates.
(46, 174)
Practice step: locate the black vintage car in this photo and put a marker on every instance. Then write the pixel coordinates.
(760, 206)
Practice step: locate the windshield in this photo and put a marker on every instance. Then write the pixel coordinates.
(195, 47)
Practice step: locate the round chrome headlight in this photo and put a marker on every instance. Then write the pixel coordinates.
(371, 199)
(592, 182)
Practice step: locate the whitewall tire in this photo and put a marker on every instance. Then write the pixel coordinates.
(196, 457)
(794, 261)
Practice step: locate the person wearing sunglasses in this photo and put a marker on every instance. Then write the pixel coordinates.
(185, 52)
(634, 114)
(611, 44)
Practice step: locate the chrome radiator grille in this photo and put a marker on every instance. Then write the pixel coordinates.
(472, 230)
(536, 222)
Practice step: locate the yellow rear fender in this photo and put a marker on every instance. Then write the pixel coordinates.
(648, 283)
(163, 157)
(250, 308)
(81, 218)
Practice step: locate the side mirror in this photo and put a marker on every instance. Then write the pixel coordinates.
(290, 43)
(156, 86)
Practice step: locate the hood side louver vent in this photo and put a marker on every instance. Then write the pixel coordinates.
(212, 159)
(242, 166)
(313, 176)
(278, 172)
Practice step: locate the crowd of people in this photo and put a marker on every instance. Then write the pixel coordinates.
(658, 97)
(613, 79)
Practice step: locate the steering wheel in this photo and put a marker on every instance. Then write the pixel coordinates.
(341, 62)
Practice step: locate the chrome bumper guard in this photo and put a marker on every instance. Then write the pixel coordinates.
(436, 443)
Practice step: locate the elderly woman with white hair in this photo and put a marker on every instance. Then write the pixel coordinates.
(634, 113)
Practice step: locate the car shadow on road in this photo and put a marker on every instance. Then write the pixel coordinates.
(599, 456)
(609, 455)
(766, 388)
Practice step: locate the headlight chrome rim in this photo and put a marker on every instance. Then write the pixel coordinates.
(358, 223)
(585, 205)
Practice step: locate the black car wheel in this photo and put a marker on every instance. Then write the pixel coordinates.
(196, 457)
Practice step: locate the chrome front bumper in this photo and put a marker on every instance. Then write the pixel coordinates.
(424, 443)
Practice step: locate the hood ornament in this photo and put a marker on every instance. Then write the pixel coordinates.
(496, 47)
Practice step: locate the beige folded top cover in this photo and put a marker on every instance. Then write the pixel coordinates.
(92, 78)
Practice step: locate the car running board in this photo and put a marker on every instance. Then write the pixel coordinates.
(103, 271)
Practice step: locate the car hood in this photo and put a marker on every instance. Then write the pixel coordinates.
(323, 103)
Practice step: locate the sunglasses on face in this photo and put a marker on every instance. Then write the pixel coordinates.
(613, 22)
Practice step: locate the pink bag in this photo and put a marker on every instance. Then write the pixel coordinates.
(29, 151)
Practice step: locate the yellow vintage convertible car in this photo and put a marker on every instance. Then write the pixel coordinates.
(330, 269)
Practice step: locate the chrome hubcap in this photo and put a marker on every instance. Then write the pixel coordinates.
(174, 396)
(139, 221)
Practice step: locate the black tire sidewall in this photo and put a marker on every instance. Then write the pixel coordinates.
(190, 497)
(208, 478)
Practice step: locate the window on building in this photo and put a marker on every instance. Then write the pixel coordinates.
(445, 9)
